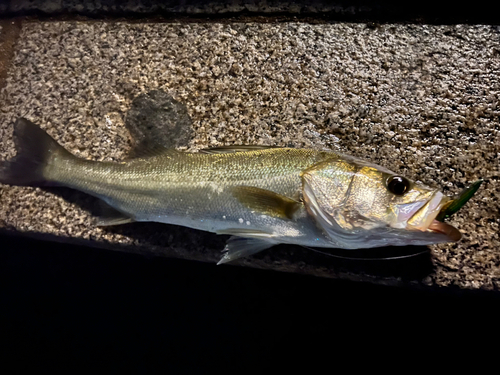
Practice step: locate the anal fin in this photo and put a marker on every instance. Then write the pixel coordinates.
(108, 216)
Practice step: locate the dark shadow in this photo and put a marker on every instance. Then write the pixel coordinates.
(366, 11)
(408, 263)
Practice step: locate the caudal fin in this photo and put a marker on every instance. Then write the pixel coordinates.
(35, 150)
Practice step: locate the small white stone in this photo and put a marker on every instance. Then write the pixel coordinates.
(240, 220)
(248, 223)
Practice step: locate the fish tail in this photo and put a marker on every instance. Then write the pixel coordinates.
(36, 150)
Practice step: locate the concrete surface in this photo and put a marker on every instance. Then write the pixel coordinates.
(422, 100)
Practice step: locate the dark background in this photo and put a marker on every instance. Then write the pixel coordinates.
(423, 11)
(66, 308)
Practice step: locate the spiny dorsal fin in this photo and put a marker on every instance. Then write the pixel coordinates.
(235, 148)
(266, 202)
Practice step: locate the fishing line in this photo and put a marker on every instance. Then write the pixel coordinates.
(353, 258)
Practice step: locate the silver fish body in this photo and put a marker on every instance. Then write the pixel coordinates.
(261, 196)
(196, 190)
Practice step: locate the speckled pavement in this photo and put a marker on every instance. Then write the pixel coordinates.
(422, 100)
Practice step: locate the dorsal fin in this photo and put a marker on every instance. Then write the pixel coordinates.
(235, 148)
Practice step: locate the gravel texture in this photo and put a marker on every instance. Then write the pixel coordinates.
(422, 100)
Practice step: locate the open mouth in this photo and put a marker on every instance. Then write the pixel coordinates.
(431, 215)
(425, 218)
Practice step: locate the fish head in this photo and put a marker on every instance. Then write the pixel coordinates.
(359, 204)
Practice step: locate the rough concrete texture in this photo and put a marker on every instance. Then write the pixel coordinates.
(421, 100)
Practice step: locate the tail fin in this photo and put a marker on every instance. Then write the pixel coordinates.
(35, 149)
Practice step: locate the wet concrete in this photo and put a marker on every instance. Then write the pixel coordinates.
(419, 99)
(155, 117)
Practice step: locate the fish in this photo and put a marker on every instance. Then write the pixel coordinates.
(259, 195)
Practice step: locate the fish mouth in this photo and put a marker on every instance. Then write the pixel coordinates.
(431, 215)
(425, 218)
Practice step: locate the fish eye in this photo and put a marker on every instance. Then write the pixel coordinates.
(398, 185)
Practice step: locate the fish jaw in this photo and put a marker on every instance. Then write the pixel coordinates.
(448, 230)
(424, 219)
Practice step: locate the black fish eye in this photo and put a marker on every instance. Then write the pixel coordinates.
(398, 185)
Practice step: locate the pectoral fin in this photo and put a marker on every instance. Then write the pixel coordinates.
(238, 247)
(266, 202)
